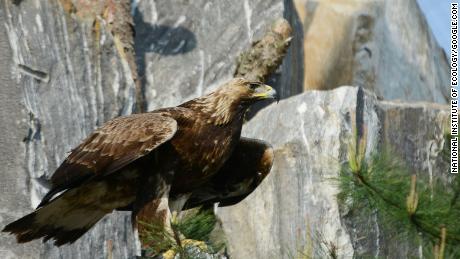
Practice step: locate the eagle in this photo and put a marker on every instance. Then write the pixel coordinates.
(155, 164)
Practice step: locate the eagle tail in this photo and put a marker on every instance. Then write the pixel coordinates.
(62, 220)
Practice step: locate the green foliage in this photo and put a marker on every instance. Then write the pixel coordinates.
(411, 207)
(158, 238)
(197, 225)
(190, 235)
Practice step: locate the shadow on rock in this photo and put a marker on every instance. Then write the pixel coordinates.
(164, 40)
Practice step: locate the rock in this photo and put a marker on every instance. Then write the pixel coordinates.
(373, 44)
(68, 66)
(360, 44)
(185, 49)
(295, 210)
(64, 75)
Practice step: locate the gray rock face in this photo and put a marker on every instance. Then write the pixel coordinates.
(295, 211)
(185, 49)
(64, 75)
(60, 77)
(56, 87)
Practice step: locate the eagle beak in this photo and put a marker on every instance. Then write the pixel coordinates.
(267, 93)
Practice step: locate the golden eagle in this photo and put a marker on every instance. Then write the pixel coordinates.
(154, 163)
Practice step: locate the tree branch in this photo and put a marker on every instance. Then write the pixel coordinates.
(266, 54)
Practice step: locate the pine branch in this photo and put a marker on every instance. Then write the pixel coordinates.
(382, 183)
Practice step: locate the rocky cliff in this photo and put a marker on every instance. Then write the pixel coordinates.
(295, 211)
(185, 49)
(384, 46)
(62, 76)
(67, 66)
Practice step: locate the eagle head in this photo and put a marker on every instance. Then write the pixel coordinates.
(231, 100)
(243, 91)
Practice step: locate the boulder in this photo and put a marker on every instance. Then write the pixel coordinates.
(295, 210)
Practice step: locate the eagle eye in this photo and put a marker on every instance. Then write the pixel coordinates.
(253, 86)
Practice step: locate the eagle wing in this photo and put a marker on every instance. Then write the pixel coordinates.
(248, 165)
(116, 144)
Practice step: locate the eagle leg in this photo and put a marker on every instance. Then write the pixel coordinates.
(151, 215)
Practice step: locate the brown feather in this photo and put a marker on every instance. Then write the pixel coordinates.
(249, 164)
(104, 151)
(143, 158)
(118, 140)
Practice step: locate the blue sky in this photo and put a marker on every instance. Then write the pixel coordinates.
(437, 13)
